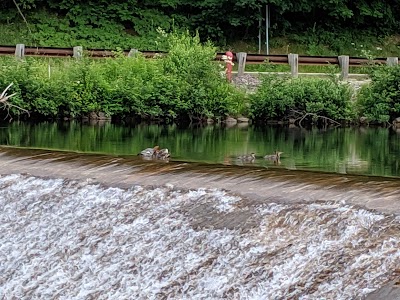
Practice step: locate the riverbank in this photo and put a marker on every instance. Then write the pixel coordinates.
(174, 89)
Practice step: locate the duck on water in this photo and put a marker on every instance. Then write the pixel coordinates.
(155, 153)
(247, 157)
(250, 158)
(274, 157)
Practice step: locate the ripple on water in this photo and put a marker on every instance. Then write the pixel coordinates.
(74, 239)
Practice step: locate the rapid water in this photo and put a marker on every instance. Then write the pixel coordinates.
(77, 239)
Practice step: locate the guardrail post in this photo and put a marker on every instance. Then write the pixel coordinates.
(78, 52)
(241, 59)
(392, 61)
(344, 62)
(20, 51)
(293, 60)
(133, 52)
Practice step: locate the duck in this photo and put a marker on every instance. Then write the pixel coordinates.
(162, 154)
(155, 153)
(275, 157)
(149, 152)
(247, 157)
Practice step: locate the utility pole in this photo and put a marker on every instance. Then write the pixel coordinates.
(267, 23)
(259, 29)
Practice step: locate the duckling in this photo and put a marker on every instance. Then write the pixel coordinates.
(162, 154)
(149, 152)
(247, 157)
(274, 157)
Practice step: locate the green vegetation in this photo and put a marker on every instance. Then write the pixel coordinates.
(184, 85)
(280, 98)
(318, 99)
(187, 85)
(357, 28)
(380, 101)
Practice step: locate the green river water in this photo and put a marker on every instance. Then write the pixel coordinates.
(365, 151)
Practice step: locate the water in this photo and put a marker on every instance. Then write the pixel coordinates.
(365, 151)
(76, 239)
(203, 226)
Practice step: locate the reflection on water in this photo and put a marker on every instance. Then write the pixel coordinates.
(368, 151)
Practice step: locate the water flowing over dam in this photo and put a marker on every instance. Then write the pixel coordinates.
(118, 227)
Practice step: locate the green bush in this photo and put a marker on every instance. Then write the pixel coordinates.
(272, 100)
(280, 97)
(203, 91)
(185, 84)
(380, 100)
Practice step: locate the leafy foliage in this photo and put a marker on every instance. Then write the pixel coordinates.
(92, 21)
(380, 101)
(278, 98)
(201, 84)
(185, 85)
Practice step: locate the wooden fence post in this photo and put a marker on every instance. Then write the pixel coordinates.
(78, 52)
(344, 62)
(241, 58)
(392, 61)
(293, 60)
(20, 51)
(133, 52)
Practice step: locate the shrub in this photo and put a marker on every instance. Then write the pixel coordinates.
(272, 99)
(203, 91)
(279, 98)
(380, 100)
(184, 84)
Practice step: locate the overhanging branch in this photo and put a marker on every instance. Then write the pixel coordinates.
(7, 105)
(303, 115)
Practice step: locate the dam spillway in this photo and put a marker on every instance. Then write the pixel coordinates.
(117, 227)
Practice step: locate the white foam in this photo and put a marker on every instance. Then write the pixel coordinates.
(74, 240)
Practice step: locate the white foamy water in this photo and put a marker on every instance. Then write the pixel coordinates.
(78, 240)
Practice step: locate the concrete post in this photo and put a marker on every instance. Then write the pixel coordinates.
(344, 62)
(392, 61)
(133, 52)
(293, 60)
(20, 51)
(241, 58)
(78, 52)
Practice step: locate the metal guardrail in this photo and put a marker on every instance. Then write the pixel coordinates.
(68, 52)
(251, 58)
(309, 60)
